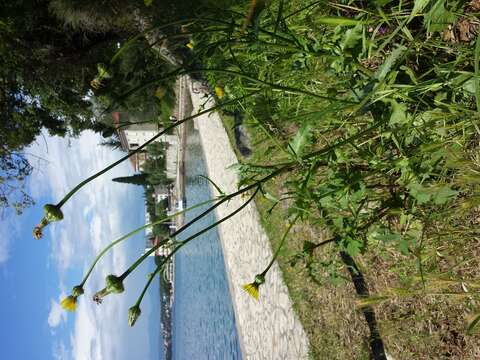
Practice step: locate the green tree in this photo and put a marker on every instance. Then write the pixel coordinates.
(45, 71)
(137, 179)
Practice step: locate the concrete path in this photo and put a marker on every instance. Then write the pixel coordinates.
(268, 329)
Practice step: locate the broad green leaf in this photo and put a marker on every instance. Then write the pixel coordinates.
(419, 192)
(353, 247)
(399, 113)
(403, 246)
(388, 237)
(342, 21)
(443, 195)
(438, 17)
(148, 2)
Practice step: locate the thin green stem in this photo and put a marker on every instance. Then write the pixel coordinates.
(152, 276)
(277, 251)
(186, 241)
(133, 232)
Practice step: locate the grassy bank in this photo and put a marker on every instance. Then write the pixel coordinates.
(375, 109)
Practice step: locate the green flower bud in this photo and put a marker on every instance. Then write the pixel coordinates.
(52, 213)
(133, 314)
(114, 284)
(77, 291)
(259, 279)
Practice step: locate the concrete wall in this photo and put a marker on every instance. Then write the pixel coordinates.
(268, 329)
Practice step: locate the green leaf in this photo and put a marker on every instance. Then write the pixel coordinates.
(419, 192)
(351, 38)
(388, 237)
(410, 73)
(418, 8)
(353, 247)
(438, 18)
(472, 323)
(398, 115)
(403, 246)
(443, 195)
(148, 2)
(342, 21)
(390, 62)
(298, 143)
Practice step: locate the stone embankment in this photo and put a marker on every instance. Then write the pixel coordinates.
(268, 329)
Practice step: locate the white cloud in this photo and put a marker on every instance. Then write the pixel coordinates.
(8, 231)
(99, 213)
(60, 352)
(56, 315)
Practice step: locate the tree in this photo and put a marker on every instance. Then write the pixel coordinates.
(45, 71)
(137, 179)
(14, 169)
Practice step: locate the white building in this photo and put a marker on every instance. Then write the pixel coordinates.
(135, 135)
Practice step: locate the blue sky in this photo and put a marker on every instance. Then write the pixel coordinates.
(35, 275)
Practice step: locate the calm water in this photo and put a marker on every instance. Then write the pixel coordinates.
(203, 318)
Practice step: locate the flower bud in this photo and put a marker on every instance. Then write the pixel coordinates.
(52, 213)
(77, 291)
(114, 284)
(259, 279)
(133, 314)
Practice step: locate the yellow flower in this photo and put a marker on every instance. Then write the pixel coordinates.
(219, 92)
(190, 45)
(252, 288)
(69, 303)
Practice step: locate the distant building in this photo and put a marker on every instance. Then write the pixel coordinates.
(133, 136)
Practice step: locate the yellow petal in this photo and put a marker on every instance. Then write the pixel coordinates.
(69, 303)
(190, 45)
(252, 290)
(219, 92)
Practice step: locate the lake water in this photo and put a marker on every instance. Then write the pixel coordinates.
(203, 318)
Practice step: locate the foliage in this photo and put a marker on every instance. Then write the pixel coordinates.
(137, 179)
(44, 79)
(371, 110)
(14, 168)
